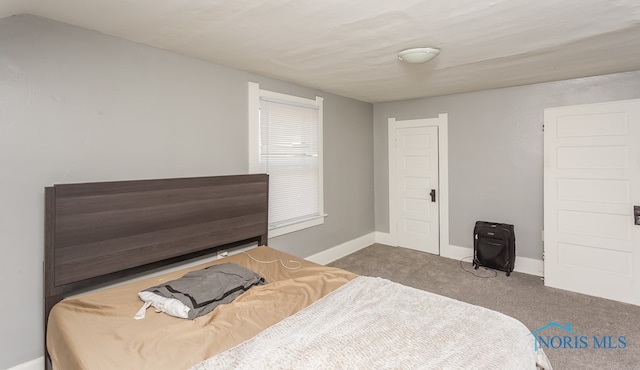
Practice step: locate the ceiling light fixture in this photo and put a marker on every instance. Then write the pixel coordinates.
(418, 55)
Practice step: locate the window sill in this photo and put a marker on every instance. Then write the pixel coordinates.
(278, 231)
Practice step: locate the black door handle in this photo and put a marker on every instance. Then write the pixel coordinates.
(433, 195)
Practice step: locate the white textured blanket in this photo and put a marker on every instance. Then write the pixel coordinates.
(373, 323)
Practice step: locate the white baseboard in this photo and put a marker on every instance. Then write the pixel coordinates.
(384, 238)
(523, 264)
(529, 266)
(339, 251)
(36, 364)
(455, 252)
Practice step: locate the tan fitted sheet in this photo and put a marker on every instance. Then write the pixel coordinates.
(97, 330)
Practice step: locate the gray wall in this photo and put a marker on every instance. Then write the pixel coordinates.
(78, 106)
(495, 151)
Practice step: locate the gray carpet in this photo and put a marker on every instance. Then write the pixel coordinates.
(521, 296)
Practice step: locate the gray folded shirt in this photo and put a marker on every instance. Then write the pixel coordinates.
(203, 290)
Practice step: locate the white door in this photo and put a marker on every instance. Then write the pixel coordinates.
(415, 187)
(591, 183)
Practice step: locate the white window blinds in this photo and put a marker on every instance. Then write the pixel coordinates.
(289, 154)
(289, 149)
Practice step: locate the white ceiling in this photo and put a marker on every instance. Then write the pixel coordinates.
(349, 47)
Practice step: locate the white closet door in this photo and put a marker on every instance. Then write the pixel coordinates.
(591, 183)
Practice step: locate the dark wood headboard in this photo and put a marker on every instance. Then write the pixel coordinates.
(97, 231)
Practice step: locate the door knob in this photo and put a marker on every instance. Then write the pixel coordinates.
(433, 195)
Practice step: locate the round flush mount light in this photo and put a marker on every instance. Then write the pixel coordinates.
(418, 55)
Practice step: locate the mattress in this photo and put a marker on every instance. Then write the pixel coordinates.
(306, 316)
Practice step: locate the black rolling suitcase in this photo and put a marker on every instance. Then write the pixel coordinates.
(494, 246)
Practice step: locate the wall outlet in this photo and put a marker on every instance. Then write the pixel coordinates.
(222, 254)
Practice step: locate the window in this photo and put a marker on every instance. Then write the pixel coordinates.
(285, 141)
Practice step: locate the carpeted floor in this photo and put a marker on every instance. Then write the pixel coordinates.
(521, 296)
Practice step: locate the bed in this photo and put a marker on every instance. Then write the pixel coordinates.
(305, 316)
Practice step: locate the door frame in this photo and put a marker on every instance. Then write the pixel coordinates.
(441, 122)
